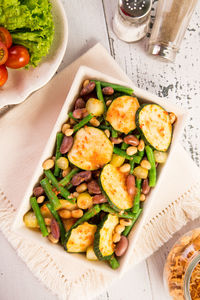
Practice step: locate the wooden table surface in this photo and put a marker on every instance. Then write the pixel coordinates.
(90, 21)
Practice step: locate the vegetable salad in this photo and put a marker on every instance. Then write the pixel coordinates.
(102, 169)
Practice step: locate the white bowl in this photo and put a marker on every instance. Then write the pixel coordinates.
(144, 96)
(21, 83)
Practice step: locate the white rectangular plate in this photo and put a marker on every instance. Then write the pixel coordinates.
(144, 96)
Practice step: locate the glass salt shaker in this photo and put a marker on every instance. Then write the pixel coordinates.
(132, 18)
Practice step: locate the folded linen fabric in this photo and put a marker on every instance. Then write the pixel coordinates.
(24, 132)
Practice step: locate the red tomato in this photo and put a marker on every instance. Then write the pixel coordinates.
(5, 37)
(3, 53)
(3, 75)
(18, 57)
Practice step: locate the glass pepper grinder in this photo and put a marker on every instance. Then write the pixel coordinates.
(132, 18)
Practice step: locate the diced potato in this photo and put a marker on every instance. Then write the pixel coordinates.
(90, 253)
(30, 220)
(140, 172)
(45, 211)
(160, 157)
(62, 163)
(84, 201)
(95, 107)
(117, 161)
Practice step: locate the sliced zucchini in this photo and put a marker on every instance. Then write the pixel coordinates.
(103, 240)
(121, 113)
(80, 237)
(113, 184)
(91, 149)
(90, 254)
(153, 122)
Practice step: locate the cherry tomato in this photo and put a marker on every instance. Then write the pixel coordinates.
(5, 37)
(3, 75)
(18, 57)
(3, 53)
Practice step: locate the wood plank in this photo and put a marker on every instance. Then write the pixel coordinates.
(86, 27)
(179, 81)
(16, 280)
(134, 284)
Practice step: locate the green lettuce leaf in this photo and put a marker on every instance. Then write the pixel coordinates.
(30, 23)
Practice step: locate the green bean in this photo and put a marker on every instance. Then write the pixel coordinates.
(39, 216)
(50, 194)
(83, 122)
(136, 159)
(100, 95)
(108, 209)
(59, 138)
(114, 133)
(132, 164)
(69, 186)
(124, 146)
(113, 262)
(88, 215)
(63, 182)
(60, 224)
(70, 114)
(63, 191)
(140, 154)
(136, 205)
(117, 87)
(152, 171)
(104, 127)
(128, 228)
(122, 153)
(100, 119)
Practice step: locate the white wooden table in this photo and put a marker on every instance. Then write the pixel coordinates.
(90, 21)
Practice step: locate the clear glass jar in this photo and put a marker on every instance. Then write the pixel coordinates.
(182, 268)
(172, 18)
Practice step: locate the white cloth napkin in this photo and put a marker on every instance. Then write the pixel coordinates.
(24, 132)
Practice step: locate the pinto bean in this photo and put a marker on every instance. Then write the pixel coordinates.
(38, 191)
(108, 90)
(88, 88)
(79, 113)
(81, 177)
(116, 140)
(98, 199)
(80, 103)
(130, 183)
(121, 246)
(93, 187)
(55, 229)
(145, 186)
(66, 145)
(131, 140)
(96, 174)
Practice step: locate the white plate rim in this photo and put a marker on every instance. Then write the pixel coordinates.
(44, 79)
